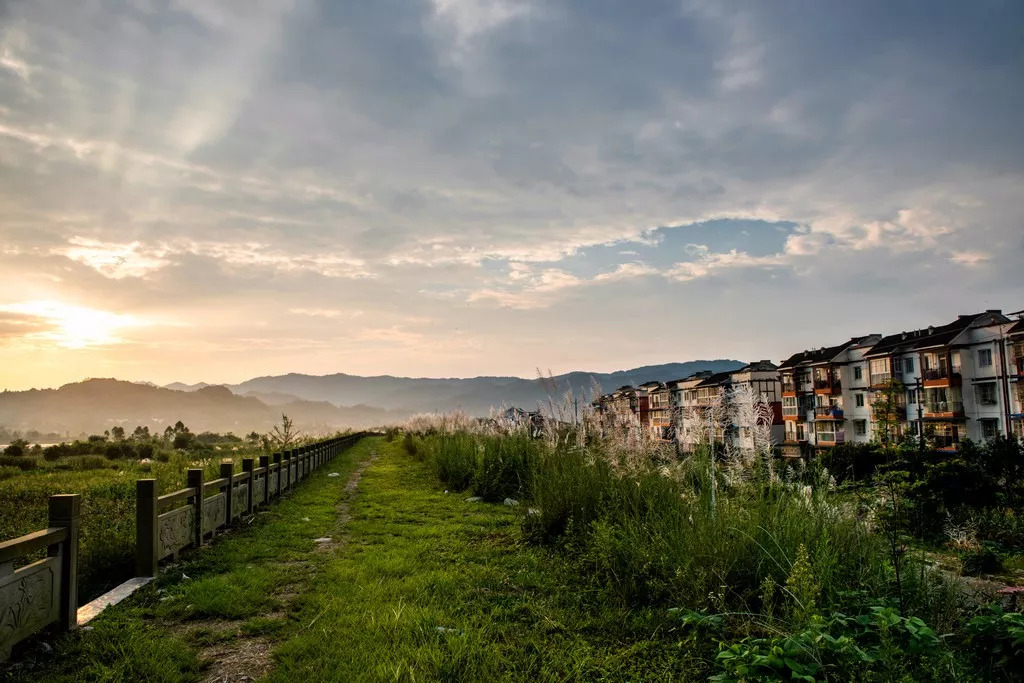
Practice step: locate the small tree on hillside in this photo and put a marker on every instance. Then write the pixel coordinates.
(284, 435)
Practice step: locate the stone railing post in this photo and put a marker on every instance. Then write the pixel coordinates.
(195, 482)
(227, 470)
(145, 528)
(265, 466)
(64, 513)
(248, 465)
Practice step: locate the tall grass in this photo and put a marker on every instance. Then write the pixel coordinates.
(494, 467)
(648, 529)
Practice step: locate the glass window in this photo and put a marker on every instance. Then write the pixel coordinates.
(989, 428)
(985, 358)
(860, 400)
(908, 365)
(858, 372)
(986, 393)
(860, 427)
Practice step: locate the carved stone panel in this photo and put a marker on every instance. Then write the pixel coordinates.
(175, 530)
(214, 509)
(239, 498)
(29, 600)
(259, 491)
(295, 472)
(273, 482)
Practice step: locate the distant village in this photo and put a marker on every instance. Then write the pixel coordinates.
(938, 385)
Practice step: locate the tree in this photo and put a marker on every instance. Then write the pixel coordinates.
(118, 433)
(16, 447)
(141, 433)
(283, 435)
(889, 410)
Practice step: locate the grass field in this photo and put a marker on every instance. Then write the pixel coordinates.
(416, 584)
(106, 555)
(394, 578)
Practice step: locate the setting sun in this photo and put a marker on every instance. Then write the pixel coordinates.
(69, 327)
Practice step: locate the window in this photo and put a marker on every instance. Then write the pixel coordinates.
(911, 395)
(985, 393)
(859, 400)
(860, 427)
(858, 372)
(984, 358)
(989, 428)
(908, 365)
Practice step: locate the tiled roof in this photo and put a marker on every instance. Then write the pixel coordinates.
(819, 355)
(931, 337)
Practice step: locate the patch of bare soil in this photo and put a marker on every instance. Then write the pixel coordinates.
(237, 660)
(337, 537)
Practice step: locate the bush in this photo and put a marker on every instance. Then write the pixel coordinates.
(6, 472)
(88, 462)
(995, 641)
(22, 462)
(985, 559)
(16, 448)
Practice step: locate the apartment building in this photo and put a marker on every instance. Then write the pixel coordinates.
(956, 379)
(1015, 389)
(824, 397)
(761, 379)
(659, 402)
(941, 384)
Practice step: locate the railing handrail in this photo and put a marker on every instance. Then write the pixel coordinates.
(29, 543)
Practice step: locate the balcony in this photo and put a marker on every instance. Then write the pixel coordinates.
(941, 376)
(944, 442)
(944, 409)
(791, 412)
(827, 386)
(795, 438)
(831, 438)
(881, 379)
(828, 413)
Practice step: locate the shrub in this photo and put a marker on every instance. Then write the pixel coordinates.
(88, 462)
(15, 448)
(22, 462)
(6, 472)
(985, 559)
(995, 641)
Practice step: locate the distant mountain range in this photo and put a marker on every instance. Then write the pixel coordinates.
(315, 403)
(475, 396)
(95, 405)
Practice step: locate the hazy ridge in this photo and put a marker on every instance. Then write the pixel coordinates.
(316, 403)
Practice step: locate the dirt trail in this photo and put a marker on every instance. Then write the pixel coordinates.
(242, 658)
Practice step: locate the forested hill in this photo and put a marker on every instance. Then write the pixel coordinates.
(98, 404)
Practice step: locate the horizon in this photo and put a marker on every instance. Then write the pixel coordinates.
(167, 385)
(461, 188)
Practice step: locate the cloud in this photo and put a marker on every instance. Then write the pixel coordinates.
(543, 162)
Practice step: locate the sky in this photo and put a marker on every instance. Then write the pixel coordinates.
(211, 191)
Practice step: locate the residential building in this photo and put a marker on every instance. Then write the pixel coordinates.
(762, 379)
(659, 401)
(955, 380)
(1015, 387)
(824, 400)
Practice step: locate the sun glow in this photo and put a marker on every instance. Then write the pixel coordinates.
(70, 327)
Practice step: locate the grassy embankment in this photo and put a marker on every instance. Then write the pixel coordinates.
(621, 572)
(418, 584)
